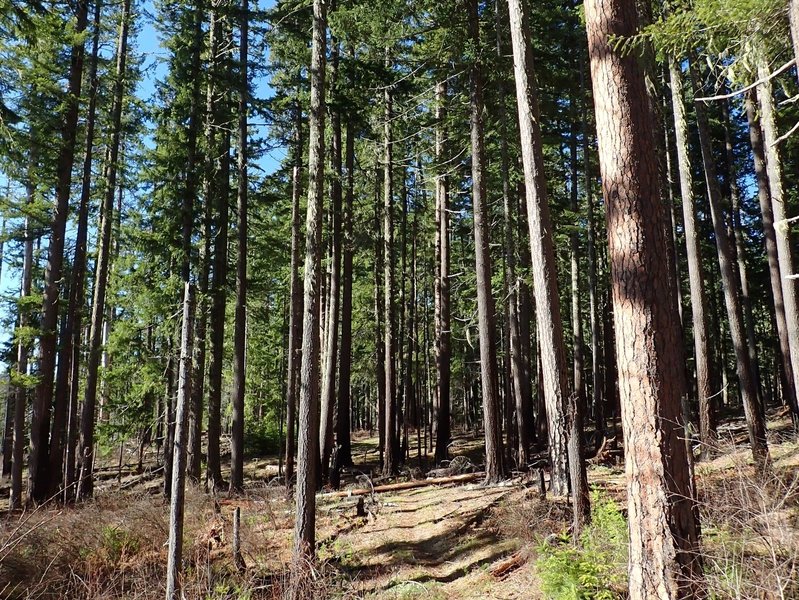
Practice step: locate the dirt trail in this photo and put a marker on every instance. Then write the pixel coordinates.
(433, 542)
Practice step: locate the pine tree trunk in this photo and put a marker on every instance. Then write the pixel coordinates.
(793, 17)
(307, 448)
(544, 267)
(664, 536)
(178, 483)
(23, 351)
(330, 352)
(195, 408)
(343, 417)
(86, 483)
(696, 276)
(70, 351)
(219, 190)
(390, 446)
(485, 300)
(240, 326)
(764, 198)
(380, 320)
(38, 459)
(779, 210)
(441, 287)
(746, 378)
(295, 317)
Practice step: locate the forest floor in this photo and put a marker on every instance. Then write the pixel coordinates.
(437, 541)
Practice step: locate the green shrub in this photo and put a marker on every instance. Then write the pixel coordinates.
(594, 568)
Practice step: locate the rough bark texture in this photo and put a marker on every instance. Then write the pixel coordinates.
(778, 207)
(486, 324)
(730, 285)
(307, 448)
(764, 199)
(85, 486)
(695, 270)
(555, 381)
(664, 535)
(40, 418)
(240, 326)
(441, 288)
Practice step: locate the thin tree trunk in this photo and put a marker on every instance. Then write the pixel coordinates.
(696, 276)
(779, 210)
(485, 300)
(175, 552)
(86, 483)
(330, 352)
(307, 449)
(441, 288)
(40, 420)
(544, 268)
(764, 198)
(344, 409)
(664, 536)
(755, 424)
(295, 317)
(390, 446)
(23, 350)
(240, 326)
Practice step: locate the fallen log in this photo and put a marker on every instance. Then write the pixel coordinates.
(405, 485)
(510, 564)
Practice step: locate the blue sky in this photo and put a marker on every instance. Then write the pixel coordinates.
(148, 45)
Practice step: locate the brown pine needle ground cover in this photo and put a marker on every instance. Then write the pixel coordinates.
(432, 542)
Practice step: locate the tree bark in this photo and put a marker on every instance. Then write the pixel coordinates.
(390, 446)
(175, 552)
(485, 300)
(779, 210)
(764, 199)
(746, 379)
(86, 484)
(664, 535)
(40, 419)
(544, 267)
(330, 352)
(343, 418)
(240, 326)
(295, 317)
(441, 287)
(307, 449)
(696, 276)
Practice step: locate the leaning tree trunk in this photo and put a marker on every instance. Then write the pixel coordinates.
(764, 199)
(544, 267)
(240, 326)
(441, 288)
(40, 419)
(485, 300)
(696, 275)
(307, 448)
(729, 280)
(664, 560)
(86, 483)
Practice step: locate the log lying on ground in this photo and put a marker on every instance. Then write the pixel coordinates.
(406, 485)
(510, 564)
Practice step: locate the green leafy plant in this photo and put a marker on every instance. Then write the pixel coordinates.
(594, 568)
